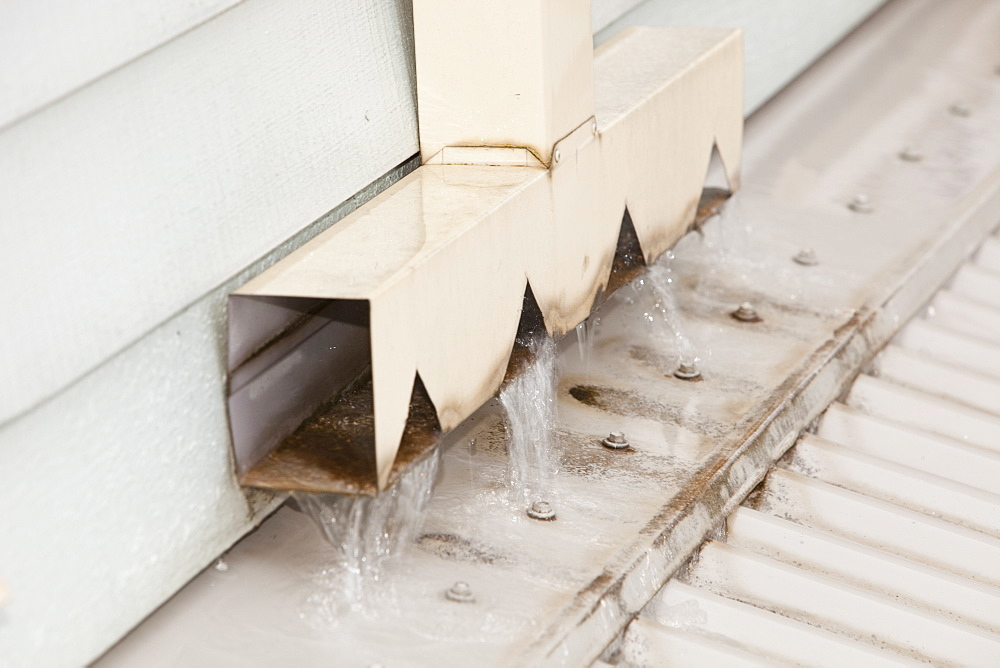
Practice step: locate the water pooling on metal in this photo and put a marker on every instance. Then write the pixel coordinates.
(367, 534)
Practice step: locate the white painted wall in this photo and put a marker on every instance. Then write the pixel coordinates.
(131, 205)
(49, 48)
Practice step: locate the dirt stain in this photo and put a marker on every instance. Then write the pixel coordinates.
(629, 403)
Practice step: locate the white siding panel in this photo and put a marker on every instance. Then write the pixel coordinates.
(114, 493)
(117, 491)
(605, 12)
(51, 47)
(127, 201)
(782, 37)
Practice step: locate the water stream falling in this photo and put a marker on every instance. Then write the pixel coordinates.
(662, 312)
(585, 334)
(367, 535)
(529, 401)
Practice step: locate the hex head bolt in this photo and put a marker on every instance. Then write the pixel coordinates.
(960, 109)
(542, 510)
(687, 371)
(910, 154)
(860, 204)
(806, 257)
(460, 592)
(616, 441)
(746, 313)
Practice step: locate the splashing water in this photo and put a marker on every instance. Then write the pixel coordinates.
(586, 331)
(663, 313)
(367, 535)
(529, 401)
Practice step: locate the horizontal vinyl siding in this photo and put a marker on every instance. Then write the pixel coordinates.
(124, 203)
(49, 48)
(120, 489)
(128, 211)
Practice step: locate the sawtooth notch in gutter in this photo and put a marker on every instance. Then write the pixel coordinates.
(348, 358)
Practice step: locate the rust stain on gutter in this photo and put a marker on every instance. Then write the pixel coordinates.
(333, 451)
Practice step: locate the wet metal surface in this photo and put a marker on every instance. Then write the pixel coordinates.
(556, 593)
(333, 451)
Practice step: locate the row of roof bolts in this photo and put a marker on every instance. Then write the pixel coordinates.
(461, 592)
(861, 202)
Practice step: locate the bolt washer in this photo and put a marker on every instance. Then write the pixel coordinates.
(542, 510)
(910, 154)
(687, 371)
(616, 441)
(460, 592)
(746, 313)
(806, 257)
(860, 204)
(960, 109)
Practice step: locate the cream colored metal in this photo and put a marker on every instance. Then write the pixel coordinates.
(685, 89)
(513, 74)
(443, 257)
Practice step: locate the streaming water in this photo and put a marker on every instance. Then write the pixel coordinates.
(662, 312)
(586, 331)
(367, 535)
(529, 401)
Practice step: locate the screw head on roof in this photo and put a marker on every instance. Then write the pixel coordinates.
(745, 312)
(221, 566)
(860, 204)
(541, 510)
(806, 257)
(460, 592)
(910, 154)
(557, 156)
(960, 109)
(616, 441)
(687, 371)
